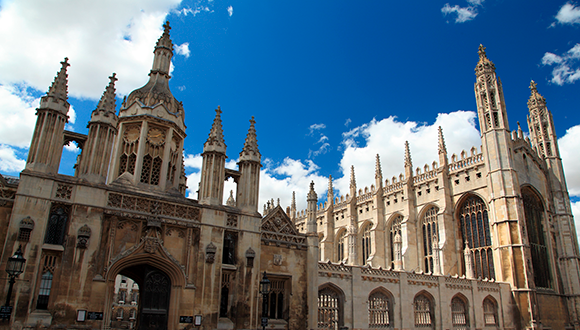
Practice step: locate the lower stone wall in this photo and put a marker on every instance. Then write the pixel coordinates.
(356, 287)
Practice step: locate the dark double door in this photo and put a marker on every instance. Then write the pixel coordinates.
(154, 304)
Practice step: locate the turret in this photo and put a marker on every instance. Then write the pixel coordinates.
(149, 147)
(312, 198)
(211, 186)
(249, 166)
(489, 95)
(96, 155)
(541, 125)
(51, 116)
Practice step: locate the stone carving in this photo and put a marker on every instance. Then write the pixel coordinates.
(210, 251)
(277, 228)
(232, 220)
(277, 260)
(250, 255)
(151, 206)
(150, 244)
(83, 235)
(27, 223)
(63, 191)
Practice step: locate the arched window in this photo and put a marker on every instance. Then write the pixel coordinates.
(424, 316)
(534, 212)
(119, 313)
(44, 292)
(340, 245)
(395, 229)
(430, 235)
(329, 309)
(277, 299)
(56, 228)
(229, 250)
(489, 312)
(379, 310)
(366, 243)
(474, 223)
(459, 314)
(133, 314)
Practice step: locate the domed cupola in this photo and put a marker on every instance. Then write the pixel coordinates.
(149, 147)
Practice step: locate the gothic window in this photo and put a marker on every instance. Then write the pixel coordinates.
(44, 292)
(379, 307)
(119, 313)
(430, 235)
(133, 314)
(151, 169)
(489, 312)
(424, 316)
(225, 293)
(277, 300)
(122, 296)
(534, 212)
(229, 249)
(329, 309)
(459, 314)
(57, 221)
(366, 243)
(395, 229)
(341, 244)
(474, 224)
(129, 148)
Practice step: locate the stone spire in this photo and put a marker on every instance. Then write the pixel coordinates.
(56, 97)
(378, 173)
(215, 142)
(408, 161)
(231, 201)
(293, 207)
(330, 194)
(484, 65)
(250, 151)
(163, 53)
(352, 182)
(312, 198)
(442, 147)
(541, 124)
(105, 111)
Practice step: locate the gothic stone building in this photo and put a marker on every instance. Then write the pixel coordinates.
(482, 241)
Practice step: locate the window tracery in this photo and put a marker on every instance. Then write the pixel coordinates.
(459, 314)
(489, 312)
(379, 308)
(129, 147)
(340, 245)
(366, 243)
(475, 230)
(534, 213)
(57, 223)
(430, 235)
(424, 317)
(329, 309)
(152, 159)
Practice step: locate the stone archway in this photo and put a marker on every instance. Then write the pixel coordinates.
(154, 296)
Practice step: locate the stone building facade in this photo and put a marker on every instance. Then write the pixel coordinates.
(124, 215)
(483, 240)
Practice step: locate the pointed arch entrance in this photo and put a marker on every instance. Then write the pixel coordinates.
(154, 296)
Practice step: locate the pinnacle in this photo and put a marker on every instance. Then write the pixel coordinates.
(330, 189)
(165, 41)
(294, 200)
(251, 145)
(216, 134)
(58, 89)
(312, 194)
(378, 171)
(352, 177)
(536, 99)
(484, 64)
(442, 147)
(481, 52)
(408, 161)
(107, 102)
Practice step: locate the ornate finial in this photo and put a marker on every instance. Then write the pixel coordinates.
(107, 103)
(312, 197)
(231, 201)
(408, 161)
(215, 141)
(442, 147)
(352, 178)
(165, 41)
(533, 86)
(59, 87)
(250, 150)
(481, 51)
(378, 171)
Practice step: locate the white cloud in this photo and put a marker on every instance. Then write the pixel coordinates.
(569, 145)
(316, 127)
(464, 14)
(322, 140)
(566, 69)
(230, 11)
(387, 138)
(182, 49)
(475, 2)
(568, 14)
(347, 122)
(98, 38)
(576, 214)
(17, 115)
(9, 160)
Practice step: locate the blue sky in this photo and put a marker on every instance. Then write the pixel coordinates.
(330, 83)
